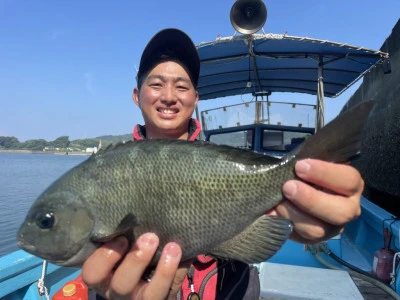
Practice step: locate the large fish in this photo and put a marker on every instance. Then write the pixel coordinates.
(210, 199)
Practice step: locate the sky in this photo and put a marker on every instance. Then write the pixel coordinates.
(69, 67)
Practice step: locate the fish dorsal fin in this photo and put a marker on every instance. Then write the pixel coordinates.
(113, 147)
(340, 139)
(258, 242)
(125, 227)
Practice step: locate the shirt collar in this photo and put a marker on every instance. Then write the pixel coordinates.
(139, 131)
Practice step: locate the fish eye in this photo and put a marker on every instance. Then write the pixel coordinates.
(45, 220)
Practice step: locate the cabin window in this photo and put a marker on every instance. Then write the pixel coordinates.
(277, 140)
(239, 139)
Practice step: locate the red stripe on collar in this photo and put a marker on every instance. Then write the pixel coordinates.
(197, 128)
(137, 134)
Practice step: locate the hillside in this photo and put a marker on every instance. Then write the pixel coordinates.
(60, 144)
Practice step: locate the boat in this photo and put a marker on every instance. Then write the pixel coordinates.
(261, 64)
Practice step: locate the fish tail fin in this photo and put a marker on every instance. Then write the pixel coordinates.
(258, 242)
(340, 139)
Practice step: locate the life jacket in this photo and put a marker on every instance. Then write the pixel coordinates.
(220, 279)
(209, 277)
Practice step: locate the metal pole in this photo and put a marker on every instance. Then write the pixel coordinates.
(320, 113)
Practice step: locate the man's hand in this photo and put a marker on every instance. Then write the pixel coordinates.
(321, 207)
(125, 281)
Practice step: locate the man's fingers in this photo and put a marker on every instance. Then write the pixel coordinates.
(160, 284)
(331, 208)
(319, 211)
(179, 278)
(339, 178)
(97, 275)
(130, 271)
(306, 227)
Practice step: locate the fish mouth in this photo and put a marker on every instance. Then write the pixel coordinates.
(26, 247)
(33, 250)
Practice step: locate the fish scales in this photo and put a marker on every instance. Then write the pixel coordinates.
(191, 192)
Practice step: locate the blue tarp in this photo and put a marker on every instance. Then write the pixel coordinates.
(279, 63)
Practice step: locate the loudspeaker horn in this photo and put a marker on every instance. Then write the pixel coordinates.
(248, 16)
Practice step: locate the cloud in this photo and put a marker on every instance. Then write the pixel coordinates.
(89, 78)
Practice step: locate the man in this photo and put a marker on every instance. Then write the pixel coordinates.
(166, 94)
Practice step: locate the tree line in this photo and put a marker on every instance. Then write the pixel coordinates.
(63, 142)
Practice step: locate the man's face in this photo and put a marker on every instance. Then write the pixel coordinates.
(167, 99)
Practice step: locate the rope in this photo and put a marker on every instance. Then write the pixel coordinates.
(324, 248)
(42, 289)
(369, 279)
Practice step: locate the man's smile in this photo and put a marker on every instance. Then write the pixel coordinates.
(167, 110)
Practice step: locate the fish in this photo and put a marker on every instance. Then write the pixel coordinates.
(210, 199)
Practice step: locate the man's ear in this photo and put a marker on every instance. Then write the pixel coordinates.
(135, 96)
(197, 97)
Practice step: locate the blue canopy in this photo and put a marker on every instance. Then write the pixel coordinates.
(264, 63)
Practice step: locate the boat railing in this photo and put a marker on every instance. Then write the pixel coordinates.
(259, 112)
(20, 273)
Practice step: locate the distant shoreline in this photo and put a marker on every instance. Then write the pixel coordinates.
(46, 152)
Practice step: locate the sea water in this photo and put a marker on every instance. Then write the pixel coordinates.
(23, 177)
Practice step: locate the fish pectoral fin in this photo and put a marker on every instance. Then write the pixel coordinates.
(127, 223)
(258, 242)
(125, 227)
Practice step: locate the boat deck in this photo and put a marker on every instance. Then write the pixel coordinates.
(370, 291)
(280, 281)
